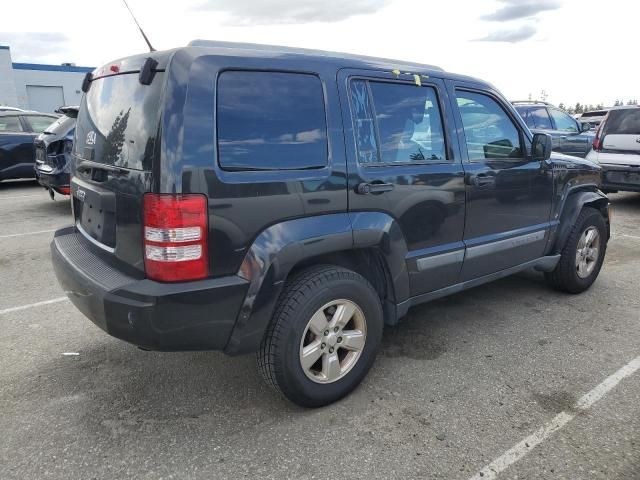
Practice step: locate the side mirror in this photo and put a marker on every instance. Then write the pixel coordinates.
(585, 127)
(541, 146)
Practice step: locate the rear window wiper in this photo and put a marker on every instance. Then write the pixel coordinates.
(85, 165)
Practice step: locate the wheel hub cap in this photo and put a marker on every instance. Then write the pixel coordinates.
(333, 341)
(588, 252)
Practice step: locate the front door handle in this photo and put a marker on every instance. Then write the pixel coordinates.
(482, 180)
(367, 188)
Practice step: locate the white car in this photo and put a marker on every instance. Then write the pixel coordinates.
(4, 108)
(617, 149)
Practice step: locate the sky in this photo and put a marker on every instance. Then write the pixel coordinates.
(574, 50)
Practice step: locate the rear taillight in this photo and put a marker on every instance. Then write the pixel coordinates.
(597, 142)
(175, 237)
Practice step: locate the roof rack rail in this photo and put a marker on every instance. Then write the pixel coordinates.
(540, 102)
(297, 50)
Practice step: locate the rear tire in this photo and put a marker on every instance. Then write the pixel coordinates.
(582, 255)
(323, 337)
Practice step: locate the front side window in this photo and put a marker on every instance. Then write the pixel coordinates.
(397, 123)
(271, 121)
(488, 130)
(563, 121)
(40, 124)
(10, 124)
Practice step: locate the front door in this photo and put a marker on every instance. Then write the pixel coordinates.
(568, 134)
(508, 193)
(402, 160)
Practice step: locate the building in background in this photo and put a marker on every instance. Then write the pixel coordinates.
(33, 86)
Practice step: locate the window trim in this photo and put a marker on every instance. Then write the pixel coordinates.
(381, 164)
(240, 171)
(523, 145)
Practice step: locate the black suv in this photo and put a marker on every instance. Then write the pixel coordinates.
(290, 202)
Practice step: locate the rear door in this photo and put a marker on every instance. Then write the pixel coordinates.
(508, 193)
(116, 142)
(17, 154)
(403, 161)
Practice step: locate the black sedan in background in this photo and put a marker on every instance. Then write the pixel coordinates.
(53, 149)
(18, 131)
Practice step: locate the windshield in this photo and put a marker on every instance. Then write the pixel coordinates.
(61, 126)
(118, 121)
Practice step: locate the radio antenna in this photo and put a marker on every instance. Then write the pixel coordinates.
(151, 49)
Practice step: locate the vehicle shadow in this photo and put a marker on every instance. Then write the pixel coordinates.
(626, 201)
(9, 185)
(159, 387)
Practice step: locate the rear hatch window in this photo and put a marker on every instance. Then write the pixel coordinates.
(118, 121)
(622, 131)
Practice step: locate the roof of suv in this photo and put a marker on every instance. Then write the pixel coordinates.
(254, 50)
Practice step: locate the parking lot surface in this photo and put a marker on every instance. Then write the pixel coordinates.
(457, 385)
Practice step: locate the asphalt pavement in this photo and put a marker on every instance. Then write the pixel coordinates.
(473, 383)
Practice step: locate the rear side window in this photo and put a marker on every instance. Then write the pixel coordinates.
(623, 122)
(540, 118)
(488, 130)
(535, 117)
(271, 121)
(396, 123)
(10, 124)
(40, 124)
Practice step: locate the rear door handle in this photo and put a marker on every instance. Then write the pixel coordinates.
(367, 188)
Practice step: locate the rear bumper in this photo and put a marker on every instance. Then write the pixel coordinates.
(621, 177)
(157, 316)
(54, 179)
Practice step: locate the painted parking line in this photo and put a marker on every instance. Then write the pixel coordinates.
(520, 450)
(630, 236)
(27, 233)
(32, 305)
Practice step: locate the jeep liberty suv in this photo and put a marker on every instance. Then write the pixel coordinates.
(291, 202)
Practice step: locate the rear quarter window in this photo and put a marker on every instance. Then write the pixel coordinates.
(270, 121)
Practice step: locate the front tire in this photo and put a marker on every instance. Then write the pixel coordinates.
(323, 337)
(583, 254)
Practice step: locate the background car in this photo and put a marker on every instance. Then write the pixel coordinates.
(18, 131)
(593, 118)
(570, 136)
(53, 152)
(617, 149)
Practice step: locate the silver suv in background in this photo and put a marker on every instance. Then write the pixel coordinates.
(617, 149)
(593, 118)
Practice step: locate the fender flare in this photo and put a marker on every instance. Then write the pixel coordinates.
(280, 247)
(575, 201)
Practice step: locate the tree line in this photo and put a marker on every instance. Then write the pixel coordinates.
(582, 108)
